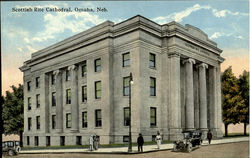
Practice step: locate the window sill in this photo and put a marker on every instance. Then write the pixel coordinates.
(98, 127)
(152, 96)
(126, 66)
(152, 126)
(153, 68)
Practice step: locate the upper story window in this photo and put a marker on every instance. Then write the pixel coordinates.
(151, 60)
(29, 103)
(53, 121)
(38, 122)
(28, 86)
(84, 69)
(29, 123)
(126, 59)
(126, 116)
(53, 79)
(84, 93)
(126, 81)
(98, 118)
(68, 120)
(38, 100)
(84, 120)
(53, 99)
(98, 66)
(152, 116)
(68, 96)
(67, 75)
(152, 86)
(98, 89)
(37, 82)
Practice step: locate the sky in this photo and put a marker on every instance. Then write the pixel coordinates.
(23, 33)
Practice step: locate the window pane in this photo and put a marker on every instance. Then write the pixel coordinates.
(152, 82)
(126, 56)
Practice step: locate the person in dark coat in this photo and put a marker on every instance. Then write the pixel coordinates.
(140, 142)
(209, 136)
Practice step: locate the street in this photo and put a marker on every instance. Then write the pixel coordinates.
(232, 150)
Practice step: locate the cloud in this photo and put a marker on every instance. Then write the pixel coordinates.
(179, 16)
(31, 49)
(216, 35)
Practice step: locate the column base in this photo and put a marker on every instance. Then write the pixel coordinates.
(175, 134)
(204, 132)
(74, 130)
(217, 133)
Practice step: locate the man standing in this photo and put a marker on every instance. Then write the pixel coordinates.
(209, 136)
(158, 139)
(140, 142)
(91, 143)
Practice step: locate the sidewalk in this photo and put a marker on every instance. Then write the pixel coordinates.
(124, 150)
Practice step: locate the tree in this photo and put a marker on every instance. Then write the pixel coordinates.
(232, 100)
(13, 112)
(244, 90)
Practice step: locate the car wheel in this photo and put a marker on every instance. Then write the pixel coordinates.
(18, 149)
(11, 153)
(189, 147)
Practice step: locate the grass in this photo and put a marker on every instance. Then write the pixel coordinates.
(235, 135)
(87, 146)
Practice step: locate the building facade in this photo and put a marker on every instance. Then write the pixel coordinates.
(80, 86)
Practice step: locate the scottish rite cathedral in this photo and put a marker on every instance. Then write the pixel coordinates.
(80, 86)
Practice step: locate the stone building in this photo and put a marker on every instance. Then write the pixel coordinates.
(80, 86)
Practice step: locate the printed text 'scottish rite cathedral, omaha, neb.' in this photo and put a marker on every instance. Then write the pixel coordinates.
(80, 86)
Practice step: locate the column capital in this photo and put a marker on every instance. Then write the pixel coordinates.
(202, 65)
(189, 60)
(57, 72)
(72, 67)
(173, 54)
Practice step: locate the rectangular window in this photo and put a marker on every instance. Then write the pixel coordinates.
(84, 120)
(36, 141)
(53, 121)
(68, 120)
(38, 122)
(152, 116)
(37, 82)
(38, 100)
(29, 103)
(28, 140)
(78, 140)
(84, 69)
(126, 59)
(84, 93)
(126, 81)
(53, 79)
(126, 116)
(152, 86)
(125, 138)
(98, 118)
(53, 99)
(98, 66)
(29, 123)
(67, 75)
(68, 96)
(98, 89)
(151, 60)
(47, 140)
(29, 85)
(62, 140)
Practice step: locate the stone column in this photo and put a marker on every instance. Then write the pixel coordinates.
(189, 93)
(219, 105)
(74, 98)
(203, 95)
(59, 101)
(212, 98)
(174, 94)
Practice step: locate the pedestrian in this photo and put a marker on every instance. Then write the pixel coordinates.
(158, 139)
(96, 142)
(91, 143)
(140, 142)
(209, 136)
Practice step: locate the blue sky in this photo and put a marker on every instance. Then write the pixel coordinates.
(225, 22)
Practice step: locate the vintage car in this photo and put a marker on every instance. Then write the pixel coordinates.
(191, 139)
(11, 147)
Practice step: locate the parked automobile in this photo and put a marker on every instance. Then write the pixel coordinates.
(11, 147)
(190, 140)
